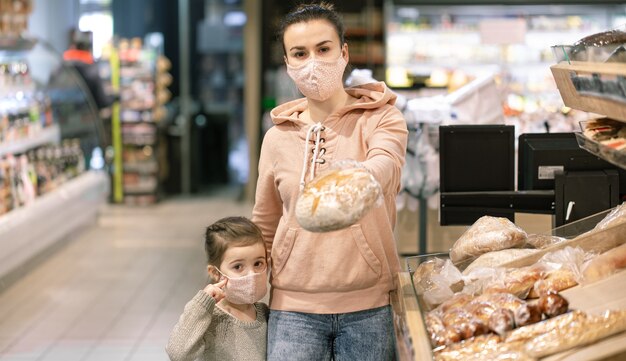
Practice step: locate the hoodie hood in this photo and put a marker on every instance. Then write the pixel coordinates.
(370, 96)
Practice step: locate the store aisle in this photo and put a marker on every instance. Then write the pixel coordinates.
(114, 291)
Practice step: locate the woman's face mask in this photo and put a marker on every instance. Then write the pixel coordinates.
(318, 79)
(247, 289)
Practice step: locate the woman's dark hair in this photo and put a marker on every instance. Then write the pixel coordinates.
(313, 11)
(229, 232)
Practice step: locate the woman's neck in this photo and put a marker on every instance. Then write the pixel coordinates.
(320, 110)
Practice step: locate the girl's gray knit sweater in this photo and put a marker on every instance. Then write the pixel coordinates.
(206, 332)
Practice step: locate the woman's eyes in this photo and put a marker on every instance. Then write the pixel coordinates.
(301, 54)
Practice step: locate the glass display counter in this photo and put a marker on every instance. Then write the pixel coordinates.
(593, 298)
(52, 177)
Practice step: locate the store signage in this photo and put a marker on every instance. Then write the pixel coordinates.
(502, 31)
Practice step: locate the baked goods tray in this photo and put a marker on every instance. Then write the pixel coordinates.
(613, 156)
(598, 88)
(590, 298)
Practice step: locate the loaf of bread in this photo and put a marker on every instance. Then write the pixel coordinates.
(487, 234)
(556, 280)
(605, 264)
(518, 281)
(497, 258)
(336, 199)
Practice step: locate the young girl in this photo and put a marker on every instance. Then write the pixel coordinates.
(330, 291)
(224, 321)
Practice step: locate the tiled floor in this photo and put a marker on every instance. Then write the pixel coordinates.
(115, 290)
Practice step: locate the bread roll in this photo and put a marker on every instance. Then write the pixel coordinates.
(605, 264)
(501, 321)
(336, 199)
(487, 234)
(553, 304)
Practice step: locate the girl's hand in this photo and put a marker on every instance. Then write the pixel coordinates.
(216, 290)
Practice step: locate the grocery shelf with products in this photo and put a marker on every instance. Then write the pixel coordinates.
(141, 77)
(51, 164)
(444, 46)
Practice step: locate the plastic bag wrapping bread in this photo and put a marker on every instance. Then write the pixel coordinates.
(483, 348)
(487, 234)
(542, 339)
(337, 198)
(580, 331)
(518, 281)
(541, 241)
(605, 264)
(615, 216)
(497, 258)
(563, 269)
(437, 280)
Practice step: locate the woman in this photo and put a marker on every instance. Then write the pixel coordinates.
(330, 291)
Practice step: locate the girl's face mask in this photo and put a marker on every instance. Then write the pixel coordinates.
(247, 289)
(318, 79)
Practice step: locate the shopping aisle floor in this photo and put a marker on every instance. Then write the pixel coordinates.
(115, 290)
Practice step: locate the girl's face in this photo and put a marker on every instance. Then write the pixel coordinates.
(244, 260)
(312, 39)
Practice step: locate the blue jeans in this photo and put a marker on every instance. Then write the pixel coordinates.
(363, 335)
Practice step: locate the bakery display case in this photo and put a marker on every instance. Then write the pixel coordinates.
(52, 177)
(564, 295)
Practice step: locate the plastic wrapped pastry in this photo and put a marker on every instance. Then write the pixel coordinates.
(336, 199)
(487, 234)
(556, 281)
(518, 281)
(577, 333)
(497, 258)
(553, 304)
(605, 264)
(501, 321)
(616, 216)
(524, 334)
(437, 280)
(483, 348)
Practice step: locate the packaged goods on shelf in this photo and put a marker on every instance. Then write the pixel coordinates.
(144, 79)
(590, 76)
(49, 134)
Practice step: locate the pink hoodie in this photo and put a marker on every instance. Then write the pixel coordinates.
(348, 270)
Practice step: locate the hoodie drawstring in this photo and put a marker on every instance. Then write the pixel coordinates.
(316, 128)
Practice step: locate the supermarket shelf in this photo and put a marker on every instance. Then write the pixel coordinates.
(611, 155)
(25, 232)
(607, 106)
(47, 135)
